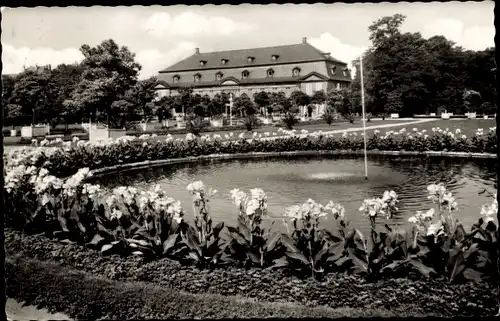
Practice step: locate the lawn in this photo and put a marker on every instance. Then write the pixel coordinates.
(467, 126)
(311, 128)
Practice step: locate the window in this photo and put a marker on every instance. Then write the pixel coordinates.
(223, 61)
(274, 57)
(270, 73)
(251, 59)
(197, 77)
(245, 74)
(219, 75)
(334, 69)
(176, 78)
(338, 85)
(344, 72)
(296, 71)
(202, 62)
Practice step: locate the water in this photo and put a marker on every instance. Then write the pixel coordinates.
(292, 180)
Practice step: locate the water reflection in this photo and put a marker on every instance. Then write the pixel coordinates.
(293, 180)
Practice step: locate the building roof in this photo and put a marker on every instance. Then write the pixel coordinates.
(248, 81)
(297, 53)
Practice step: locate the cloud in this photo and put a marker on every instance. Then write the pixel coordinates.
(14, 59)
(188, 23)
(152, 60)
(474, 38)
(344, 52)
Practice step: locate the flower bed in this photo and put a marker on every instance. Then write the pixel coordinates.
(344, 295)
(151, 226)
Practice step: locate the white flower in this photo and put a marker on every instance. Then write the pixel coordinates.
(241, 136)
(258, 194)
(116, 214)
(415, 129)
(464, 137)
(435, 229)
(293, 212)
(376, 131)
(372, 207)
(238, 196)
(458, 131)
(252, 206)
(226, 136)
(338, 210)
(490, 212)
(196, 187)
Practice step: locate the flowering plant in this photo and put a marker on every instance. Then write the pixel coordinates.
(204, 242)
(317, 250)
(250, 242)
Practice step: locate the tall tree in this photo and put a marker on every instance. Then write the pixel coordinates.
(261, 99)
(110, 71)
(244, 105)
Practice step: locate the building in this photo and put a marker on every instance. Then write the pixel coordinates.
(272, 69)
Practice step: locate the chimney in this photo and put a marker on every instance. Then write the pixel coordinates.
(304, 40)
(196, 51)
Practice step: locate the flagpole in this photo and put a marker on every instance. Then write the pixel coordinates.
(363, 111)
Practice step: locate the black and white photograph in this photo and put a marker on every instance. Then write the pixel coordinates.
(321, 160)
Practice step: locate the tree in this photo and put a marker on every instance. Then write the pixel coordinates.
(341, 101)
(217, 105)
(164, 107)
(13, 114)
(262, 99)
(318, 97)
(472, 100)
(300, 98)
(109, 73)
(65, 78)
(36, 93)
(244, 105)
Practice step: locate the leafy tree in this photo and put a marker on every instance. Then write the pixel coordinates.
(341, 100)
(318, 97)
(300, 98)
(472, 100)
(164, 107)
(13, 114)
(244, 105)
(262, 99)
(109, 73)
(36, 93)
(218, 105)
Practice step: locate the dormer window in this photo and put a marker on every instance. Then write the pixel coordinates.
(177, 78)
(270, 73)
(245, 74)
(274, 57)
(202, 62)
(334, 69)
(219, 75)
(197, 77)
(250, 59)
(344, 72)
(224, 61)
(296, 71)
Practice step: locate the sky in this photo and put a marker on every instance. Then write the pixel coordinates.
(163, 35)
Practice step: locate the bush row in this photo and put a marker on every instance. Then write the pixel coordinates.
(66, 161)
(344, 295)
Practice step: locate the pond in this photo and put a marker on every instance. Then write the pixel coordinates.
(292, 180)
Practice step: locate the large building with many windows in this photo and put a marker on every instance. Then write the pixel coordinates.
(272, 69)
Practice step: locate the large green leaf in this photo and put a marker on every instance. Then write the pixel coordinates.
(254, 257)
(422, 268)
(272, 241)
(460, 233)
(336, 250)
(458, 266)
(289, 243)
(298, 256)
(192, 243)
(281, 262)
(473, 275)
(169, 243)
(244, 230)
